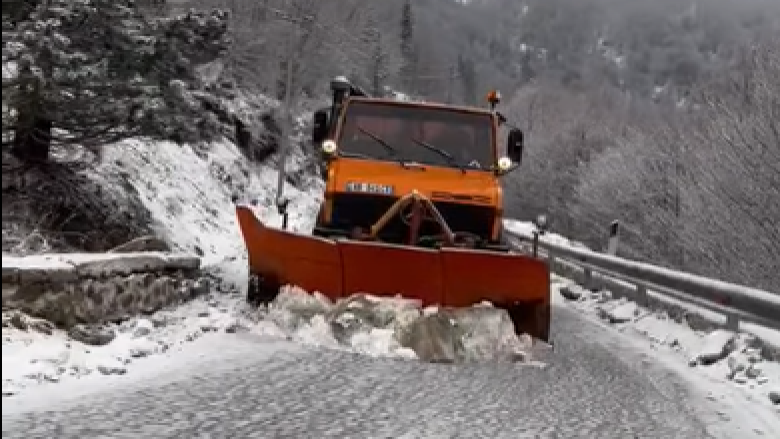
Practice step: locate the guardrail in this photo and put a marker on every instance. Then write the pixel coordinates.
(646, 282)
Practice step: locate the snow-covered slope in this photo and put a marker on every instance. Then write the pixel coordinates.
(189, 191)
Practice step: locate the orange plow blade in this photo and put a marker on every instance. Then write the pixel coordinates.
(450, 277)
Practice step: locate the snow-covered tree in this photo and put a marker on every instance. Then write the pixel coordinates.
(408, 49)
(90, 72)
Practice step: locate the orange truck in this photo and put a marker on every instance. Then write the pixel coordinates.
(413, 206)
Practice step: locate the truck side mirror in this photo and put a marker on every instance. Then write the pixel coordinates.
(514, 145)
(320, 127)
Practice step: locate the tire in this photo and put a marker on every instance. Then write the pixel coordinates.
(260, 291)
(252, 290)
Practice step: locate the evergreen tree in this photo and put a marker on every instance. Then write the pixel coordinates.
(468, 78)
(377, 67)
(91, 72)
(408, 50)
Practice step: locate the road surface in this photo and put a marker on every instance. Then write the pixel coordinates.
(594, 387)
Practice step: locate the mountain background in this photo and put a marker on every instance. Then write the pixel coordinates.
(662, 114)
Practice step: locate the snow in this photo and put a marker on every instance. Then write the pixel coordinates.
(768, 336)
(526, 229)
(10, 69)
(716, 346)
(397, 95)
(365, 325)
(32, 357)
(67, 261)
(729, 366)
(622, 312)
(36, 262)
(188, 191)
(167, 366)
(380, 326)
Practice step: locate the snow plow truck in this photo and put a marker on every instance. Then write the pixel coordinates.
(412, 207)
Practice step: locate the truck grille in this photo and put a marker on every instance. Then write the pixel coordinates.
(350, 210)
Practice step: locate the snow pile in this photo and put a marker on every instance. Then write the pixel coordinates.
(101, 264)
(35, 352)
(396, 327)
(397, 95)
(717, 355)
(527, 229)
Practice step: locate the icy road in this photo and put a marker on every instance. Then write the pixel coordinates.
(239, 386)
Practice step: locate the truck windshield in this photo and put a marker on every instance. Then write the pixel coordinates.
(463, 140)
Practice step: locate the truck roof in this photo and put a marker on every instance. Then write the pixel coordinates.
(433, 105)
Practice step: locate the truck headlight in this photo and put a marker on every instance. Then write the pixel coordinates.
(329, 147)
(504, 163)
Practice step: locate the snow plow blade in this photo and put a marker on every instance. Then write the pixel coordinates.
(447, 277)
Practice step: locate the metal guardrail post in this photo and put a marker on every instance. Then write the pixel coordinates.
(732, 321)
(614, 238)
(535, 244)
(641, 295)
(587, 280)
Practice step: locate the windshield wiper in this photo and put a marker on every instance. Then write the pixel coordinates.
(450, 158)
(390, 148)
(354, 155)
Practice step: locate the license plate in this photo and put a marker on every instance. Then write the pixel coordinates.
(369, 188)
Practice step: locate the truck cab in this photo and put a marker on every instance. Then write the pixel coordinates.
(379, 150)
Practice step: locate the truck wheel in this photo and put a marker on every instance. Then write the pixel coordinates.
(260, 291)
(253, 290)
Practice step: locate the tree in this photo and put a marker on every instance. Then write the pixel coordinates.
(735, 161)
(323, 38)
(468, 79)
(408, 49)
(379, 67)
(94, 72)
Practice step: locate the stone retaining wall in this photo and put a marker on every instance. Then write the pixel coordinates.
(71, 289)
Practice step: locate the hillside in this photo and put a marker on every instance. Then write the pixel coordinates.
(659, 114)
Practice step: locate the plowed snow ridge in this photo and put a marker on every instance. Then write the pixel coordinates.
(367, 325)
